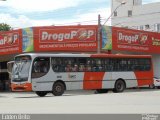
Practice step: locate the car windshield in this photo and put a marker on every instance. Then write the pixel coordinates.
(21, 69)
(156, 78)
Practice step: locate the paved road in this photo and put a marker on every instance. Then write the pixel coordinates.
(130, 101)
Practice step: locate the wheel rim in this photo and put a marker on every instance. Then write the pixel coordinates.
(58, 88)
(120, 86)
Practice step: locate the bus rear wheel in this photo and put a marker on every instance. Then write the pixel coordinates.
(58, 89)
(41, 93)
(101, 91)
(119, 86)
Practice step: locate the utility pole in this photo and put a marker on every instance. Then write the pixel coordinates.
(99, 35)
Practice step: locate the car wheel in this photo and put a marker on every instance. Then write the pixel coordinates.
(152, 86)
(158, 87)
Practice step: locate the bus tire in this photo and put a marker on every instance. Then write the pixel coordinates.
(58, 89)
(101, 91)
(41, 93)
(119, 86)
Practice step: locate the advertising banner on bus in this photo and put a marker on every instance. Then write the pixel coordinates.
(65, 38)
(11, 42)
(135, 40)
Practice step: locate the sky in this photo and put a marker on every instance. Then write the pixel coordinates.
(28, 13)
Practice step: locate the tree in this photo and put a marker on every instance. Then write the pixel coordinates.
(4, 27)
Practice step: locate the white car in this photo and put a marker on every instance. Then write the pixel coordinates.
(157, 82)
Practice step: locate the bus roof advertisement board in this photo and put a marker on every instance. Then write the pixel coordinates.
(135, 40)
(65, 38)
(10, 42)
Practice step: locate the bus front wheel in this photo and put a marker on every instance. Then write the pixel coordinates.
(41, 93)
(119, 86)
(58, 89)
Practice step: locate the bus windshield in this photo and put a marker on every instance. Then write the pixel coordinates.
(21, 68)
(10, 66)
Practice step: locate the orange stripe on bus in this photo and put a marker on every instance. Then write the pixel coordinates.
(26, 87)
(144, 78)
(93, 80)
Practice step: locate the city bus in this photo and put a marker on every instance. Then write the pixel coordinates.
(54, 73)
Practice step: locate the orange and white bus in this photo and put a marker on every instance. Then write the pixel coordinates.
(54, 73)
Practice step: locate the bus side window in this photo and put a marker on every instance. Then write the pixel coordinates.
(88, 68)
(58, 64)
(82, 64)
(68, 68)
(45, 66)
(40, 67)
(81, 68)
(75, 68)
(36, 67)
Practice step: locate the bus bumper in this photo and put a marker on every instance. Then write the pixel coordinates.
(24, 87)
